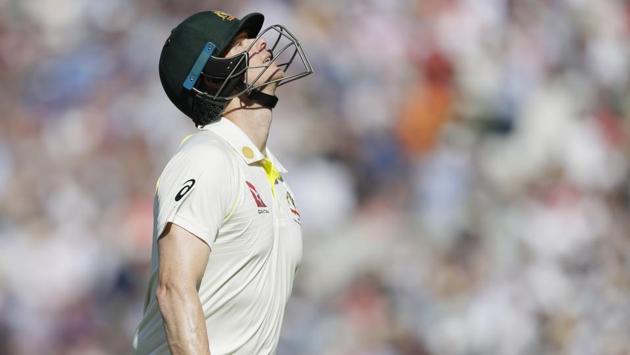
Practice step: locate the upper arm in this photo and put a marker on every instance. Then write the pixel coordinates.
(183, 257)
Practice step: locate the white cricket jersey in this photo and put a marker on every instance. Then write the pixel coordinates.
(218, 187)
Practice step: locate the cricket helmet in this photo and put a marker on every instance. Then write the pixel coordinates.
(200, 81)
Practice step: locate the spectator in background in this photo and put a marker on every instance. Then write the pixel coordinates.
(427, 107)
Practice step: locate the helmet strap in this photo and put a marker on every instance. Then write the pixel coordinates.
(265, 100)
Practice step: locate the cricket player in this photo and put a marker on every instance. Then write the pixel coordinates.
(227, 236)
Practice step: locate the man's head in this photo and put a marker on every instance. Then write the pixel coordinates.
(262, 68)
(212, 57)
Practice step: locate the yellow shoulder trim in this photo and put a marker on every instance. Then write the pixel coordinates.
(185, 139)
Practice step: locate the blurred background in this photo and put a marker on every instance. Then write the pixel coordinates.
(461, 167)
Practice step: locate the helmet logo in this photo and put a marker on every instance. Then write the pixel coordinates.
(224, 16)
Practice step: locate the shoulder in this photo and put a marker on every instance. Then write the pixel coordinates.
(205, 146)
(204, 155)
(202, 152)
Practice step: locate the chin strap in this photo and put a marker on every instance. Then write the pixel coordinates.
(265, 100)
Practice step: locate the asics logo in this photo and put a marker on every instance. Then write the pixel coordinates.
(184, 190)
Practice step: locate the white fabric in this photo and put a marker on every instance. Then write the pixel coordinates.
(256, 247)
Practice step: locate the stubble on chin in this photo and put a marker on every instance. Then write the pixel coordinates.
(272, 73)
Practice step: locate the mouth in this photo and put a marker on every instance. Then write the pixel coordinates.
(268, 57)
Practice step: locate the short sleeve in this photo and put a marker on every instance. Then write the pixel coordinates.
(196, 190)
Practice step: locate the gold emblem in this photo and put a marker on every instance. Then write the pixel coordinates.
(248, 152)
(224, 16)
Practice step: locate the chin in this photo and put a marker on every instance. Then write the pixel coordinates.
(277, 74)
(272, 73)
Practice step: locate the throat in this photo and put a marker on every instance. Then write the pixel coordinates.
(254, 122)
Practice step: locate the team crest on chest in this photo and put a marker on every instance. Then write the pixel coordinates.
(257, 198)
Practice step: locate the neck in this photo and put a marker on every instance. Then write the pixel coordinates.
(252, 118)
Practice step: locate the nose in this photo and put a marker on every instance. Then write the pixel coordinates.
(260, 45)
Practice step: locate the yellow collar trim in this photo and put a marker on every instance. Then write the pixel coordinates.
(240, 142)
(271, 172)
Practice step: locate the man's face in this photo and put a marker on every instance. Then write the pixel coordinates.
(259, 58)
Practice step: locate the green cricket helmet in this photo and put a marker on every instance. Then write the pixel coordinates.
(200, 81)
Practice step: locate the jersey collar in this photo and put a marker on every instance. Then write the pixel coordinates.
(244, 146)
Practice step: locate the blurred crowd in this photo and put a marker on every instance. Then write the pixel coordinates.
(461, 167)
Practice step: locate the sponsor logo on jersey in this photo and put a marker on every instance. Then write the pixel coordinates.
(259, 201)
(184, 190)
